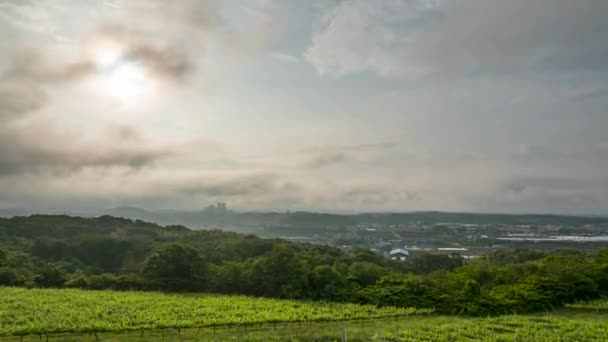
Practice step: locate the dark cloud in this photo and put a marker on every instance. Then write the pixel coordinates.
(566, 197)
(262, 185)
(326, 159)
(333, 155)
(16, 101)
(371, 146)
(580, 154)
(169, 64)
(44, 149)
(39, 147)
(125, 133)
(593, 93)
(516, 187)
(377, 196)
(552, 183)
(31, 66)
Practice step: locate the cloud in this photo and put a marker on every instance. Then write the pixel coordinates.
(31, 67)
(378, 196)
(248, 186)
(323, 156)
(516, 187)
(562, 194)
(558, 183)
(371, 146)
(284, 58)
(28, 16)
(162, 38)
(326, 159)
(18, 100)
(42, 148)
(396, 38)
(166, 39)
(29, 144)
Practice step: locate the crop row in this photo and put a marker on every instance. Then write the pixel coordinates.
(37, 311)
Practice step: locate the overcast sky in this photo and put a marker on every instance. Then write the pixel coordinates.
(463, 105)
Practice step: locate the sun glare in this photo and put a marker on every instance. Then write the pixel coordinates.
(126, 81)
(106, 54)
(107, 58)
(119, 77)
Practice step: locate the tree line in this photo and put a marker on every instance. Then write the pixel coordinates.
(121, 254)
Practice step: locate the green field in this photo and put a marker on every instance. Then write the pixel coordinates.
(37, 311)
(76, 315)
(599, 306)
(563, 326)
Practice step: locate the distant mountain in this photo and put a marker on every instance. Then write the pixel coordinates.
(128, 212)
(215, 216)
(220, 217)
(13, 212)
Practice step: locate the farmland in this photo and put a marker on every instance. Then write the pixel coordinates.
(557, 326)
(36, 312)
(77, 315)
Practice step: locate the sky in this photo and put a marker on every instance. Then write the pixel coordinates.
(331, 105)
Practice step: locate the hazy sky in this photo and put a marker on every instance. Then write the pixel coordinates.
(472, 105)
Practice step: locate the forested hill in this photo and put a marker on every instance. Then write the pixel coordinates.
(108, 242)
(197, 219)
(210, 217)
(121, 254)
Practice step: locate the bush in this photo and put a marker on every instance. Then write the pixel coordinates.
(102, 282)
(80, 281)
(50, 276)
(3, 258)
(8, 277)
(129, 282)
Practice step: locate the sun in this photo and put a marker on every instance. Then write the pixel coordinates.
(106, 58)
(127, 80)
(106, 54)
(120, 77)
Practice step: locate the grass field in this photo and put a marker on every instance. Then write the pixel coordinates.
(600, 305)
(37, 311)
(560, 327)
(72, 315)
(566, 327)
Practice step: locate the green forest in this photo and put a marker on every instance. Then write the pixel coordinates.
(120, 254)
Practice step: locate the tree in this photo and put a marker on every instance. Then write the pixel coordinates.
(8, 277)
(51, 276)
(278, 274)
(3, 258)
(366, 273)
(471, 289)
(327, 284)
(49, 249)
(513, 256)
(425, 263)
(105, 253)
(176, 267)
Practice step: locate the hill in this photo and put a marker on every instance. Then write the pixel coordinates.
(121, 254)
(244, 220)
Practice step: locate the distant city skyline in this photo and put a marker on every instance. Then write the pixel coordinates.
(323, 105)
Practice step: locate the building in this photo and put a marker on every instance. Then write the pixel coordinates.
(399, 254)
